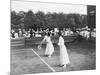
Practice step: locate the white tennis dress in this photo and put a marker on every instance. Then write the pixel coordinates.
(64, 58)
(49, 46)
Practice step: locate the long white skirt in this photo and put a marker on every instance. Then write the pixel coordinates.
(64, 58)
(49, 49)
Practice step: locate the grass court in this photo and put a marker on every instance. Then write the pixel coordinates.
(24, 61)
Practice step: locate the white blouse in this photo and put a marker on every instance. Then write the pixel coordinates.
(47, 39)
(61, 41)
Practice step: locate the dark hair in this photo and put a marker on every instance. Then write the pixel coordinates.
(60, 33)
(48, 34)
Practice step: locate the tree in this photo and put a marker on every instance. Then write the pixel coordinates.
(16, 20)
(50, 20)
(30, 20)
(40, 16)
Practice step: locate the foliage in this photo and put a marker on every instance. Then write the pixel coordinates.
(50, 20)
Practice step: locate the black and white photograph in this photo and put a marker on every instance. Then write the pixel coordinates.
(50, 37)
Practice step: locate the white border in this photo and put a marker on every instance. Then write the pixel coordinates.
(5, 37)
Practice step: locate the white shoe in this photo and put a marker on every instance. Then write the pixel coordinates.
(49, 56)
(64, 66)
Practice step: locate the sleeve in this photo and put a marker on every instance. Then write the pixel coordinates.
(61, 41)
(44, 39)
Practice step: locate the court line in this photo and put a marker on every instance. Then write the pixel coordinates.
(44, 61)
